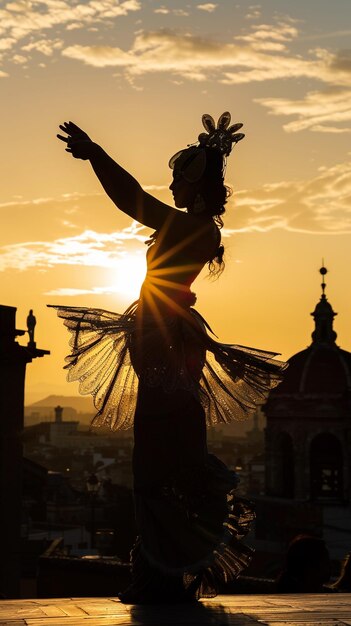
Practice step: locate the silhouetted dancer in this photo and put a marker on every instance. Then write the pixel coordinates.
(31, 324)
(156, 365)
(308, 567)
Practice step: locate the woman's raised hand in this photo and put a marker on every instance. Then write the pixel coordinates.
(78, 142)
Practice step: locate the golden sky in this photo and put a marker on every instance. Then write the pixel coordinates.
(137, 76)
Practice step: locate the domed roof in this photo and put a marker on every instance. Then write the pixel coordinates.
(323, 368)
(320, 369)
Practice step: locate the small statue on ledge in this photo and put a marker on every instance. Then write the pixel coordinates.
(31, 323)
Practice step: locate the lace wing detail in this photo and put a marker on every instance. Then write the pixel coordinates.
(230, 381)
(100, 361)
(235, 379)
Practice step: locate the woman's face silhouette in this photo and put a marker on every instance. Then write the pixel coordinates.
(184, 193)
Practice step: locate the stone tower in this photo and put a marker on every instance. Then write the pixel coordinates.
(13, 361)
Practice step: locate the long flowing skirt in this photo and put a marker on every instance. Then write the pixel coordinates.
(170, 380)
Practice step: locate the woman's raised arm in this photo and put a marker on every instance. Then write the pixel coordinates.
(120, 186)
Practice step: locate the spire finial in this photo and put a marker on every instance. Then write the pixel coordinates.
(323, 271)
(323, 316)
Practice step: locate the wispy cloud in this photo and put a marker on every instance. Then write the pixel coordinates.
(19, 59)
(89, 248)
(317, 111)
(260, 55)
(254, 12)
(25, 18)
(264, 52)
(168, 50)
(209, 7)
(321, 205)
(265, 35)
(67, 215)
(162, 10)
(327, 35)
(181, 12)
(45, 46)
(334, 130)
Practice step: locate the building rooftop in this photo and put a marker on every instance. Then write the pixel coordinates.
(323, 368)
(265, 610)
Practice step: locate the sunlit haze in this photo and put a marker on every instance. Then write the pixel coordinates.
(137, 76)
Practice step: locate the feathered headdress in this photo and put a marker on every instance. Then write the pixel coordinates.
(191, 161)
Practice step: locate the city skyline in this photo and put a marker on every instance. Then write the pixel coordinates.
(137, 76)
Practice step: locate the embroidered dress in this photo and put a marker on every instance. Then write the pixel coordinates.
(158, 367)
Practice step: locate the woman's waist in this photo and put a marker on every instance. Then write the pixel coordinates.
(166, 297)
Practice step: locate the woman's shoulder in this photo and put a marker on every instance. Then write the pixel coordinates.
(194, 231)
(194, 224)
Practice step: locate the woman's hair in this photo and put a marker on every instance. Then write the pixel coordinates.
(215, 194)
(205, 165)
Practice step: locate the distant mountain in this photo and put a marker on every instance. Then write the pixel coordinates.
(79, 403)
(74, 408)
(81, 408)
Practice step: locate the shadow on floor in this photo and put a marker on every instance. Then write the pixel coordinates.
(196, 614)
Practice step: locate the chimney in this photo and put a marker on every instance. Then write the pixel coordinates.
(58, 414)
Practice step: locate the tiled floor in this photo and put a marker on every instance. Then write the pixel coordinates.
(269, 610)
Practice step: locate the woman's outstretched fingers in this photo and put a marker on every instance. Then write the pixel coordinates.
(74, 127)
(65, 139)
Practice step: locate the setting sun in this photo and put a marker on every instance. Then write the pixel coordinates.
(129, 274)
(280, 68)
